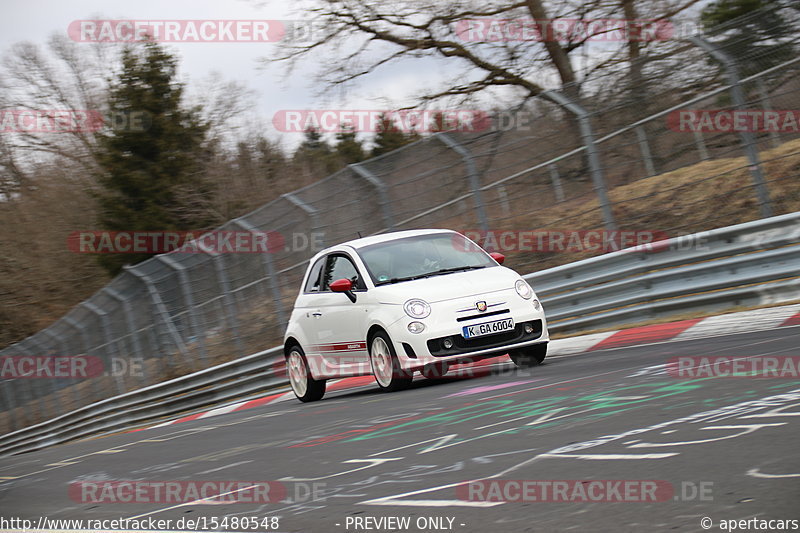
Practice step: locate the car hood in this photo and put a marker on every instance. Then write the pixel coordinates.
(449, 286)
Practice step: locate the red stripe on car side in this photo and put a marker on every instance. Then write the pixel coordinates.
(340, 347)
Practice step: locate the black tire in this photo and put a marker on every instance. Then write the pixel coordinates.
(435, 370)
(531, 356)
(314, 389)
(398, 378)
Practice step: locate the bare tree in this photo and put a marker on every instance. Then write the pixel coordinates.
(227, 106)
(47, 177)
(368, 35)
(62, 77)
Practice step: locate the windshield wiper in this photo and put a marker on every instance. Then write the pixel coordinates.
(397, 280)
(431, 274)
(454, 269)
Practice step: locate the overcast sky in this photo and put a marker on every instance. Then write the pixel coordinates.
(36, 20)
(391, 86)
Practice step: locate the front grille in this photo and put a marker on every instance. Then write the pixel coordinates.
(463, 346)
(473, 317)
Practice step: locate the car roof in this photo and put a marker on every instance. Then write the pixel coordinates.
(355, 244)
(384, 237)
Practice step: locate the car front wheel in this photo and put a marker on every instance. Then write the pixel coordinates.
(531, 356)
(305, 387)
(385, 365)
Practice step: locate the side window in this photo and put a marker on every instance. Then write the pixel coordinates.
(338, 267)
(312, 285)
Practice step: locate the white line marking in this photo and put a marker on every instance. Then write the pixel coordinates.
(439, 442)
(746, 430)
(610, 456)
(755, 473)
(373, 462)
(392, 500)
(223, 467)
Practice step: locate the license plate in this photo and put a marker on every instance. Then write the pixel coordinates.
(488, 328)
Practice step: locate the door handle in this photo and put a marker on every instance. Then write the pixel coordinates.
(317, 314)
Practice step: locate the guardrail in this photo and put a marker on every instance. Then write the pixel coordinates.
(247, 375)
(747, 264)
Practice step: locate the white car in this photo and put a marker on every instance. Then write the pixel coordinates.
(391, 304)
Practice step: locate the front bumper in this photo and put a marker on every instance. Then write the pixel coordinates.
(447, 320)
(462, 346)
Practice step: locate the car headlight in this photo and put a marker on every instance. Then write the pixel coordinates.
(416, 308)
(523, 289)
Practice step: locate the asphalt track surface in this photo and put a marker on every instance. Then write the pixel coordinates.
(369, 454)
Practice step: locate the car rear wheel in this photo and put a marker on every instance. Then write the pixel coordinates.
(528, 357)
(305, 387)
(385, 365)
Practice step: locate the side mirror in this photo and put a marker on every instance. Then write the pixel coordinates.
(344, 285)
(498, 257)
(341, 285)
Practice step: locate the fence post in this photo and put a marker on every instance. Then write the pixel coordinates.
(747, 139)
(269, 269)
(162, 313)
(472, 174)
(53, 388)
(58, 340)
(11, 406)
(644, 147)
(88, 351)
(186, 288)
(22, 396)
(555, 179)
(595, 168)
(766, 104)
(308, 209)
(701, 145)
(112, 348)
(37, 388)
(227, 295)
(54, 382)
(502, 196)
(126, 306)
(383, 196)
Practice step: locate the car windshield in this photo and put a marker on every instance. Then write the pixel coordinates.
(422, 256)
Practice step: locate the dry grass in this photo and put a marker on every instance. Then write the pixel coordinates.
(707, 195)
